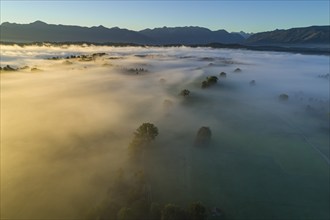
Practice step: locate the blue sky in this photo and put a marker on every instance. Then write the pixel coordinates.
(248, 16)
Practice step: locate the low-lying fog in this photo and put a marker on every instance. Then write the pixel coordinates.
(66, 125)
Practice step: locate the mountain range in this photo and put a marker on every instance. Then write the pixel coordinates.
(39, 31)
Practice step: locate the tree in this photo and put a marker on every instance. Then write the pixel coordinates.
(205, 84)
(209, 81)
(107, 210)
(146, 133)
(203, 136)
(184, 92)
(223, 74)
(155, 211)
(252, 83)
(125, 214)
(173, 212)
(212, 79)
(140, 209)
(197, 211)
(237, 70)
(283, 97)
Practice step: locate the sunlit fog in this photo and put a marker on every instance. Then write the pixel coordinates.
(245, 133)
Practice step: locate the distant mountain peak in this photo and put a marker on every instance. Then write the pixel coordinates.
(101, 27)
(243, 34)
(38, 22)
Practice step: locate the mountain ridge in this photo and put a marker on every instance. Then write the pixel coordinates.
(39, 31)
(300, 35)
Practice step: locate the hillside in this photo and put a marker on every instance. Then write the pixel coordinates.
(305, 35)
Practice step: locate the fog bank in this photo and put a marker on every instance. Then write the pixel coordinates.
(65, 129)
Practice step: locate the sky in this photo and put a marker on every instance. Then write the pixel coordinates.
(233, 16)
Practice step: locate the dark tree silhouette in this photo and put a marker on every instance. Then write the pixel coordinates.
(209, 81)
(237, 70)
(155, 211)
(8, 68)
(184, 93)
(283, 97)
(252, 83)
(203, 136)
(125, 214)
(197, 211)
(212, 79)
(146, 132)
(173, 212)
(223, 74)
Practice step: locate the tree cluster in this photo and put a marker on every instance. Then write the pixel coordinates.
(8, 68)
(325, 76)
(137, 70)
(127, 198)
(129, 202)
(98, 54)
(212, 80)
